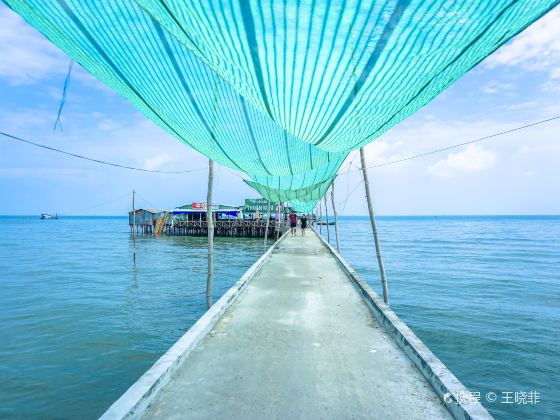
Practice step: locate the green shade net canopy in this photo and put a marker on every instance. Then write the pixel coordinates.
(281, 91)
(303, 206)
(312, 193)
(337, 74)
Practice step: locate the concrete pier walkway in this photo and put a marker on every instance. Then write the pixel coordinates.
(298, 343)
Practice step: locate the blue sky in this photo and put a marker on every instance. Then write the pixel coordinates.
(517, 173)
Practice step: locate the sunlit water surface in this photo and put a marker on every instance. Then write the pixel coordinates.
(482, 292)
(81, 320)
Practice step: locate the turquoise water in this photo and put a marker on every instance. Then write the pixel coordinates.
(80, 320)
(482, 292)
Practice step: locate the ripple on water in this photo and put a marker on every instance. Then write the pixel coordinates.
(482, 292)
(80, 321)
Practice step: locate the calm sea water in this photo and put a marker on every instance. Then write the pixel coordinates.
(81, 320)
(483, 293)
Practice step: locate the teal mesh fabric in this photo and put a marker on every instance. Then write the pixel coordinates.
(302, 206)
(279, 90)
(338, 74)
(298, 181)
(311, 193)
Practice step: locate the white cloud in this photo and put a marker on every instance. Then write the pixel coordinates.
(524, 105)
(474, 158)
(495, 87)
(55, 173)
(87, 79)
(382, 151)
(550, 86)
(523, 149)
(156, 162)
(27, 57)
(108, 124)
(427, 135)
(535, 49)
(30, 118)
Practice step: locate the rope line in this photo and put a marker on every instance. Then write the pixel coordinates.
(95, 160)
(460, 144)
(146, 201)
(349, 170)
(67, 213)
(348, 195)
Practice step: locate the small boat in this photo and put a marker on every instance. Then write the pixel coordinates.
(325, 223)
(49, 216)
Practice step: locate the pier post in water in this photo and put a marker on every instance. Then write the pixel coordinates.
(267, 224)
(133, 216)
(335, 219)
(133, 228)
(210, 224)
(374, 228)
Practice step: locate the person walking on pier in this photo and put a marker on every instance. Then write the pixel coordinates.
(293, 222)
(303, 224)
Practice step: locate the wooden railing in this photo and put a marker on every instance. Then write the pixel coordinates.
(234, 228)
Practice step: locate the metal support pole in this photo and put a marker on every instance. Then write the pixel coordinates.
(335, 219)
(210, 223)
(327, 219)
(374, 229)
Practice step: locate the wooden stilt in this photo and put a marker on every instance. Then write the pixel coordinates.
(210, 224)
(335, 219)
(374, 229)
(267, 224)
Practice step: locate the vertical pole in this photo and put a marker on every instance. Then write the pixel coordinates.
(320, 218)
(327, 219)
(267, 224)
(210, 223)
(374, 229)
(335, 219)
(133, 228)
(133, 216)
(282, 225)
(277, 219)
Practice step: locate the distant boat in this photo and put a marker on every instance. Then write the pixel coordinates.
(49, 216)
(319, 222)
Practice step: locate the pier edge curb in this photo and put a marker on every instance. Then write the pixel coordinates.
(445, 383)
(134, 402)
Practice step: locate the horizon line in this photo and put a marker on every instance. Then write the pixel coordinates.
(339, 215)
